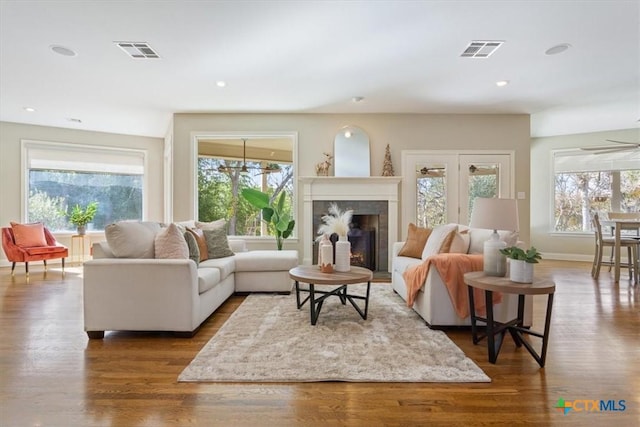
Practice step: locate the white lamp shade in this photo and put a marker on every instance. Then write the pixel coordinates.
(495, 214)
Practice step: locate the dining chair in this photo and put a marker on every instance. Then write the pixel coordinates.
(632, 245)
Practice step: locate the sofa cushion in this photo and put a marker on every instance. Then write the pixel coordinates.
(439, 240)
(416, 239)
(194, 251)
(170, 244)
(266, 260)
(226, 265)
(217, 243)
(201, 241)
(207, 279)
(132, 239)
(28, 235)
(460, 242)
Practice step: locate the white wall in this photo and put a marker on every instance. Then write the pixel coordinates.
(10, 193)
(316, 134)
(561, 246)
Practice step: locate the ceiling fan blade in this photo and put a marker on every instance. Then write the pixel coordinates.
(624, 142)
(602, 147)
(615, 150)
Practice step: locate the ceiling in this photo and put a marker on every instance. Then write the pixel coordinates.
(315, 56)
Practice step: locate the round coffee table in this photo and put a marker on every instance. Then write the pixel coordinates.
(312, 275)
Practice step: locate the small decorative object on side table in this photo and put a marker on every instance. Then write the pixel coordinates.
(495, 331)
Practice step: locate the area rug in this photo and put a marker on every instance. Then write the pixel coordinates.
(267, 339)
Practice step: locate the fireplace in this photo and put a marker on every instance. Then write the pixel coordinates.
(374, 201)
(369, 233)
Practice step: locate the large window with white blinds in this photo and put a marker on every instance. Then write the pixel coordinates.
(57, 176)
(586, 183)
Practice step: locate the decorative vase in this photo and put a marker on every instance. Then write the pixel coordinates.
(82, 230)
(343, 254)
(520, 271)
(325, 255)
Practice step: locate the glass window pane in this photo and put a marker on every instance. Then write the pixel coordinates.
(483, 182)
(431, 195)
(53, 193)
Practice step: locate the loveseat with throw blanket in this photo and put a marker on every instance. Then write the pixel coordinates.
(147, 277)
(427, 271)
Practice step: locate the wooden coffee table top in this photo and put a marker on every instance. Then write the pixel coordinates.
(312, 274)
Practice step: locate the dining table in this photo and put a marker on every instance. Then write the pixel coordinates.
(618, 225)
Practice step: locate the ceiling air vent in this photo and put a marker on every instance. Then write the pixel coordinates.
(481, 49)
(138, 50)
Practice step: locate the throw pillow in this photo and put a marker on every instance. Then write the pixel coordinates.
(460, 242)
(132, 239)
(194, 251)
(213, 225)
(439, 240)
(217, 243)
(170, 244)
(480, 235)
(201, 241)
(29, 235)
(416, 239)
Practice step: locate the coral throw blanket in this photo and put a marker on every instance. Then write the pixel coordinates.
(451, 267)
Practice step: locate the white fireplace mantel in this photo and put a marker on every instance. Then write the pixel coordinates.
(348, 188)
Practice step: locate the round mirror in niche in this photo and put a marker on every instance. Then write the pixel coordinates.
(351, 152)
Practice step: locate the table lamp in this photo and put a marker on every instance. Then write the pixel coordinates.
(495, 214)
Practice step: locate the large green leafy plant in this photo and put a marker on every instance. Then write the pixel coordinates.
(81, 217)
(272, 213)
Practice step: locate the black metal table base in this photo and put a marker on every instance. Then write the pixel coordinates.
(316, 301)
(495, 331)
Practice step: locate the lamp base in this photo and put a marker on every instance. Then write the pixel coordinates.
(495, 264)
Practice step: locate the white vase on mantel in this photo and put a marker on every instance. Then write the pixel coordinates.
(520, 271)
(343, 254)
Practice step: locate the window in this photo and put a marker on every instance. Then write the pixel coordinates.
(586, 183)
(226, 166)
(58, 176)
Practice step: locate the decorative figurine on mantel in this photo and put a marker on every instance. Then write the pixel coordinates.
(322, 168)
(387, 167)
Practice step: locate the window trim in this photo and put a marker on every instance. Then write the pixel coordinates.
(27, 144)
(193, 170)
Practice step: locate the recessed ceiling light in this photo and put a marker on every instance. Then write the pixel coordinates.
(74, 120)
(357, 99)
(29, 109)
(502, 83)
(559, 48)
(221, 83)
(61, 50)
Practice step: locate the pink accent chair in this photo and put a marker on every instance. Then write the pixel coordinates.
(15, 253)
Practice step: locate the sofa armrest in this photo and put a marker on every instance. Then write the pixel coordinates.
(396, 248)
(140, 294)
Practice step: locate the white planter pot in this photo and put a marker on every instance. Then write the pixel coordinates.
(520, 271)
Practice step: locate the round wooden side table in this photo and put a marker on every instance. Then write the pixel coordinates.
(495, 331)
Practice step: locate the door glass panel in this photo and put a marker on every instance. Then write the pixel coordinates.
(482, 182)
(431, 195)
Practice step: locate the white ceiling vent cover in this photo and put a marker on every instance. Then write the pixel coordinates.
(138, 50)
(481, 48)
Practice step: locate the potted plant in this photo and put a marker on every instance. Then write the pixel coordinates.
(81, 217)
(272, 213)
(521, 263)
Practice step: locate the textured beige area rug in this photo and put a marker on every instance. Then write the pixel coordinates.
(268, 340)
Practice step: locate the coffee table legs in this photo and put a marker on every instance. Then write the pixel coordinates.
(316, 299)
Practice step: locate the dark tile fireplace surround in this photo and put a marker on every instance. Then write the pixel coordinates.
(369, 234)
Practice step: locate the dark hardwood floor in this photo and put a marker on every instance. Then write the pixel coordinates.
(52, 375)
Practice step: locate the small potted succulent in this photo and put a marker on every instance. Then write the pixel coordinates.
(81, 217)
(521, 263)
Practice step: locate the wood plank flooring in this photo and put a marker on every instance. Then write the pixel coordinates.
(52, 375)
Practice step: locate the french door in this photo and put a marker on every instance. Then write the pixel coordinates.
(439, 187)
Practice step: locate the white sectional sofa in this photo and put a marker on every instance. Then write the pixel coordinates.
(148, 294)
(433, 302)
